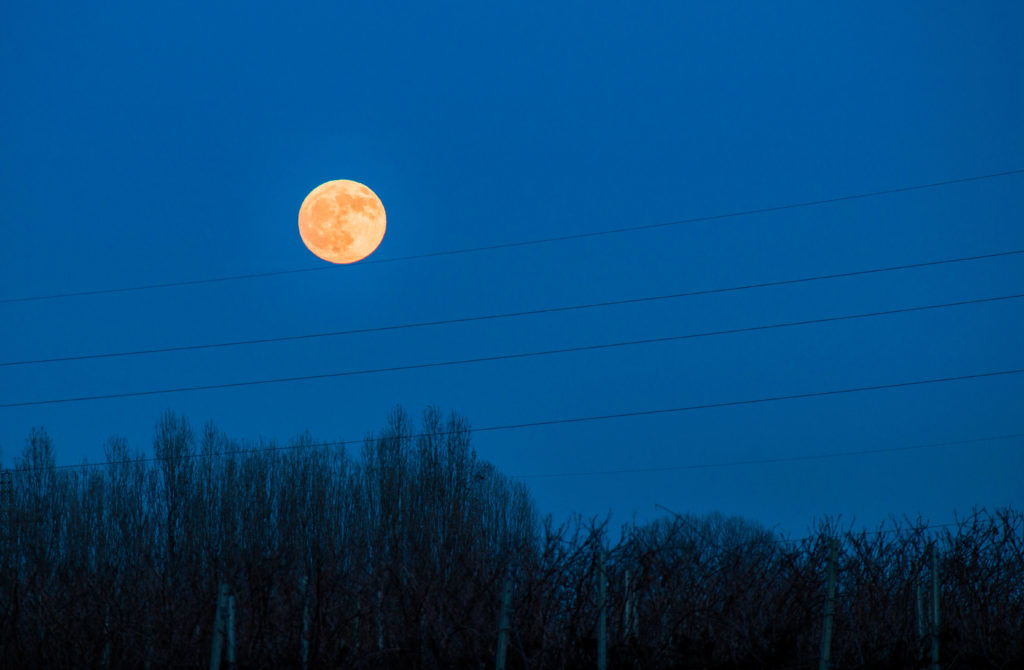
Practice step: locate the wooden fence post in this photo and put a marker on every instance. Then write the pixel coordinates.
(919, 610)
(602, 613)
(380, 620)
(503, 626)
(6, 495)
(230, 625)
(105, 659)
(830, 607)
(355, 632)
(304, 639)
(216, 647)
(935, 607)
(919, 598)
(630, 616)
(6, 498)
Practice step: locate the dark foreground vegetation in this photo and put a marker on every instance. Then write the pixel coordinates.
(396, 558)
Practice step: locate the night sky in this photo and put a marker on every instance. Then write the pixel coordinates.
(146, 144)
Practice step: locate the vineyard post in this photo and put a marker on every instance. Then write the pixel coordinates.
(935, 607)
(923, 631)
(380, 620)
(919, 597)
(506, 598)
(105, 659)
(218, 627)
(355, 632)
(230, 626)
(602, 613)
(6, 494)
(630, 616)
(304, 640)
(830, 605)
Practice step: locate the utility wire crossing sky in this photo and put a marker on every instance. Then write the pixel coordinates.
(546, 310)
(545, 240)
(528, 354)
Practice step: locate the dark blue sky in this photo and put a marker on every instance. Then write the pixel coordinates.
(143, 144)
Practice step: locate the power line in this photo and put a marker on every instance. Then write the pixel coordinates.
(506, 315)
(501, 357)
(667, 410)
(766, 461)
(754, 401)
(523, 243)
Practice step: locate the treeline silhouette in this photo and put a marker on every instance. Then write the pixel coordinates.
(396, 557)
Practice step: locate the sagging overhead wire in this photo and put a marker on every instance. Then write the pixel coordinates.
(500, 357)
(522, 243)
(507, 315)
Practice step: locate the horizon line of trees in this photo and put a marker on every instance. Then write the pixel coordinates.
(396, 558)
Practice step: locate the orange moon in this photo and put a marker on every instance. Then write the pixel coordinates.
(342, 221)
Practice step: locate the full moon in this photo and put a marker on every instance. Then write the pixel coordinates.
(342, 221)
